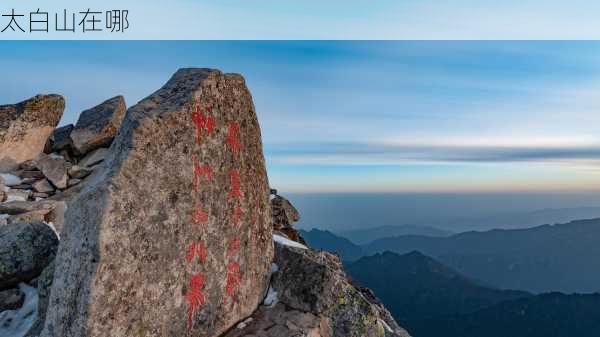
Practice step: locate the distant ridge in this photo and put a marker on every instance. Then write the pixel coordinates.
(366, 235)
(432, 300)
(325, 240)
(539, 259)
(424, 285)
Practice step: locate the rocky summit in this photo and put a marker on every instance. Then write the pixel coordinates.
(163, 223)
(25, 128)
(177, 226)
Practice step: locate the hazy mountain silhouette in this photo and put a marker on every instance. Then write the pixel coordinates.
(562, 257)
(414, 286)
(325, 240)
(432, 300)
(366, 235)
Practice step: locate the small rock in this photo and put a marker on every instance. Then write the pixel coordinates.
(94, 157)
(18, 207)
(31, 174)
(73, 182)
(67, 156)
(79, 172)
(28, 165)
(3, 196)
(98, 126)
(22, 187)
(61, 138)
(25, 250)
(54, 168)
(39, 216)
(43, 186)
(40, 195)
(11, 299)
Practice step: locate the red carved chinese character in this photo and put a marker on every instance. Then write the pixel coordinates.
(196, 249)
(236, 192)
(202, 122)
(199, 216)
(233, 278)
(200, 171)
(233, 137)
(233, 247)
(194, 296)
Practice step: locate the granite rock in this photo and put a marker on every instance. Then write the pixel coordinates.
(98, 126)
(25, 250)
(172, 236)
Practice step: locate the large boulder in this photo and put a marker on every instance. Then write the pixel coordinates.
(25, 128)
(172, 236)
(25, 250)
(98, 126)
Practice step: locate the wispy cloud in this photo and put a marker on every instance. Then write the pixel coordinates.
(415, 154)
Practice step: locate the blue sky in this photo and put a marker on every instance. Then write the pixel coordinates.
(367, 116)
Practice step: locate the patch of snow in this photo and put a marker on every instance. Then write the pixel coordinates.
(271, 298)
(51, 225)
(272, 196)
(16, 323)
(385, 325)
(274, 268)
(4, 216)
(287, 242)
(10, 179)
(56, 156)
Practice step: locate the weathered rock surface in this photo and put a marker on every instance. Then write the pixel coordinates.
(25, 128)
(315, 299)
(93, 157)
(172, 237)
(11, 299)
(43, 186)
(18, 207)
(55, 168)
(79, 172)
(284, 216)
(61, 138)
(98, 126)
(280, 320)
(25, 250)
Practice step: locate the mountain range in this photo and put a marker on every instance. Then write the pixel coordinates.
(432, 300)
(538, 259)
